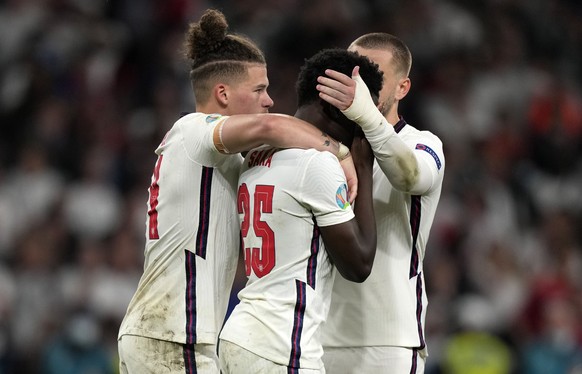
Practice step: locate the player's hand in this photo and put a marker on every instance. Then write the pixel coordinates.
(352, 97)
(351, 177)
(337, 88)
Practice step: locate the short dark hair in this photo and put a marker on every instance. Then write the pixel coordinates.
(383, 41)
(339, 60)
(214, 53)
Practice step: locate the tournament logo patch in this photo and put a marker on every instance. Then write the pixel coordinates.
(341, 197)
(212, 117)
(429, 150)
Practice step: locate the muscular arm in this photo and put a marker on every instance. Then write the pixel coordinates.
(352, 245)
(244, 132)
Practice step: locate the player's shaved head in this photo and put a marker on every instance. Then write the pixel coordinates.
(401, 55)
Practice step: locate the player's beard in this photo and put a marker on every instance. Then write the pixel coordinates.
(385, 107)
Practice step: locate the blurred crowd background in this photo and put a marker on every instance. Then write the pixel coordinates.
(89, 87)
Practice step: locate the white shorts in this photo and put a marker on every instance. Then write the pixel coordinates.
(234, 359)
(140, 355)
(362, 360)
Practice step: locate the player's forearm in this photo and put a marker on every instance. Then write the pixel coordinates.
(243, 132)
(291, 132)
(394, 157)
(366, 224)
(396, 160)
(352, 244)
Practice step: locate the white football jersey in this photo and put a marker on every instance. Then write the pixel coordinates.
(389, 308)
(192, 238)
(284, 196)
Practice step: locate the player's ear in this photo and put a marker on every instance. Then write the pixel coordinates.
(221, 94)
(402, 88)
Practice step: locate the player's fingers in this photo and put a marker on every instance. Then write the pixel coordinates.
(340, 104)
(345, 95)
(340, 77)
(333, 84)
(331, 91)
(356, 71)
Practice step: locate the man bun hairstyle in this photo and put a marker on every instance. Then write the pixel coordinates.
(339, 60)
(205, 36)
(215, 54)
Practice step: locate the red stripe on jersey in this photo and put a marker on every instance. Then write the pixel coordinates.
(154, 194)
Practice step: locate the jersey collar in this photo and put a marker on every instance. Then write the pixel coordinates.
(400, 124)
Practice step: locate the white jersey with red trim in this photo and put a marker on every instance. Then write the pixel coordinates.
(389, 308)
(192, 238)
(284, 195)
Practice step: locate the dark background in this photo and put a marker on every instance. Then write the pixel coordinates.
(89, 87)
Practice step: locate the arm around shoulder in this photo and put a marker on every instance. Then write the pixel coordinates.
(243, 132)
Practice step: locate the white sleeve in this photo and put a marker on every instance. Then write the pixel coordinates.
(325, 190)
(431, 162)
(412, 168)
(197, 132)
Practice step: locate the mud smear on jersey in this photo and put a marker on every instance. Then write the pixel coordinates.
(156, 315)
(409, 172)
(162, 356)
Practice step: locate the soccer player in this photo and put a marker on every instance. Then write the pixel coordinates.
(296, 224)
(192, 238)
(378, 326)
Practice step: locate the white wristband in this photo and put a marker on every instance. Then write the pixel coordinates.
(343, 152)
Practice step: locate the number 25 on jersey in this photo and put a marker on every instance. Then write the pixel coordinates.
(258, 260)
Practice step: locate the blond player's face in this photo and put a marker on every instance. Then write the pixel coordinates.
(384, 60)
(250, 96)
